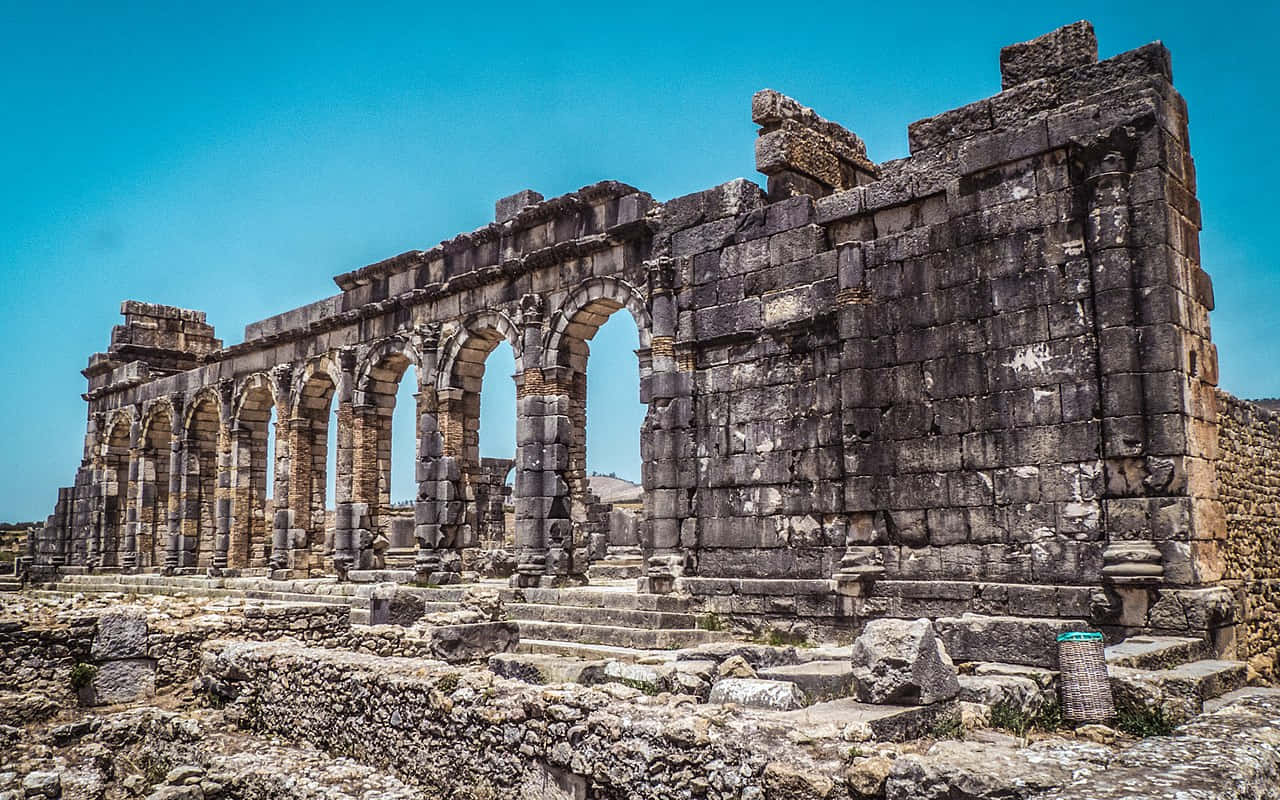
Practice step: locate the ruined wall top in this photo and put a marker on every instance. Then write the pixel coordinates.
(154, 340)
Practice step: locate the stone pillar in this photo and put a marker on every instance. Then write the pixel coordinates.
(223, 491)
(1130, 558)
(282, 526)
(437, 474)
(532, 503)
(173, 550)
(132, 495)
(862, 563)
(666, 440)
(97, 531)
(173, 500)
(344, 462)
(189, 504)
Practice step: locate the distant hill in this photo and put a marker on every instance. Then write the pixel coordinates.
(615, 490)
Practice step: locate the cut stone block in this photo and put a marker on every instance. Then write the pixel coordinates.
(887, 723)
(456, 643)
(121, 633)
(1044, 678)
(900, 662)
(1155, 652)
(122, 681)
(1013, 640)
(540, 668)
(756, 693)
(648, 678)
(1215, 704)
(1016, 692)
(819, 680)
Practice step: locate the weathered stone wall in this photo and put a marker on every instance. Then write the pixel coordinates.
(473, 734)
(1249, 486)
(39, 659)
(978, 375)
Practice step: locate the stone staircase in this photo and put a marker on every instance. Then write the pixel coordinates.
(8, 583)
(1170, 673)
(603, 621)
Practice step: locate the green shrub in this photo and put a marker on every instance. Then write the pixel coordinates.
(447, 682)
(948, 727)
(82, 675)
(1142, 721)
(1018, 721)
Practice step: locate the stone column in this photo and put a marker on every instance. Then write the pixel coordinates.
(1130, 558)
(96, 534)
(177, 450)
(131, 496)
(189, 504)
(222, 493)
(436, 472)
(344, 463)
(668, 390)
(862, 563)
(283, 514)
(532, 503)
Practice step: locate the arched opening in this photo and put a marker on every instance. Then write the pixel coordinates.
(201, 483)
(115, 489)
(314, 456)
(254, 435)
(495, 514)
(589, 321)
(402, 490)
(387, 386)
(153, 508)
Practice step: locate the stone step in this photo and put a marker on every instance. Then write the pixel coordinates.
(819, 680)
(1180, 692)
(653, 620)
(615, 570)
(637, 638)
(1155, 652)
(1213, 704)
(589, 652)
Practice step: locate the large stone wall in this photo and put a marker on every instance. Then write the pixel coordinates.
(978, 375)
(1249, 485)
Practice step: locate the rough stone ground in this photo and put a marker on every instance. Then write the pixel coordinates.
(316, 719)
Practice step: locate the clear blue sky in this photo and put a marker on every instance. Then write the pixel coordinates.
(226, 158)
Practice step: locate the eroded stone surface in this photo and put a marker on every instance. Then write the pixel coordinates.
(900, 662)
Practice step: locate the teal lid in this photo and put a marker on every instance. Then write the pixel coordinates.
(1079, 636)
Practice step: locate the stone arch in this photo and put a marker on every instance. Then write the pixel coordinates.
(382, 367)
(566, 349)
(114, 453)
(374, 401)
(472, 343)
(202, 433)
(585, 310)
(154, 471)
(251, 509)
(317, 384)
(459, 381)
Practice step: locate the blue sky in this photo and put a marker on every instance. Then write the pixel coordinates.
(227, 158)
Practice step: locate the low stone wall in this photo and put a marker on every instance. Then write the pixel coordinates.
(1249, 487)
(37, 656)
(39, 659)
(471, 734)
(176, 650)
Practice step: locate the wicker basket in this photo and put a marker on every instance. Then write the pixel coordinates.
(1086, 691)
